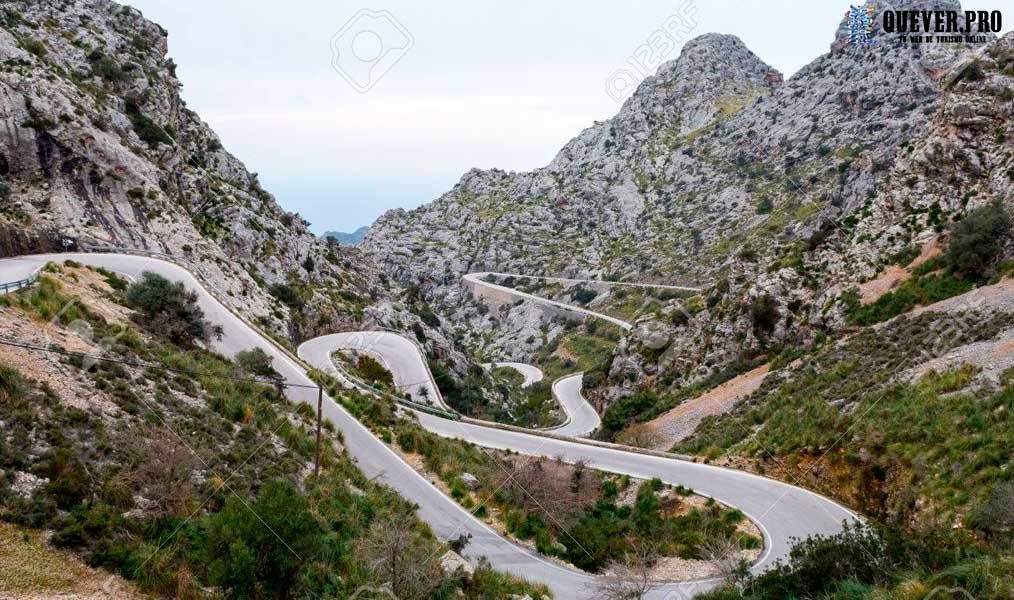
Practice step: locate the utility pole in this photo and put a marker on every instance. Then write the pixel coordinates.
(320, 403)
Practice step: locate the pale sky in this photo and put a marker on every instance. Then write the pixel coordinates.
(467, 84)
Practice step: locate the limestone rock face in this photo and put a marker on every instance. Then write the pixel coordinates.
(774, 196)
(96, 145)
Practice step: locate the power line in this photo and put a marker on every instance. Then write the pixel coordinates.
(144, 365)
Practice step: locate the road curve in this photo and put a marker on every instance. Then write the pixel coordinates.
(531, 373)
(397, 353)
(780, 510)
(582, 418)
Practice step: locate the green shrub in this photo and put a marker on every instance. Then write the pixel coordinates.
(170, 310)
(582, 295)
(977, 239)
(287, 295)
(145, 128)
(623, 411)
(255, 551)
(256, 362)
(371, 370)
(36, 47)
(764, 314)
(909, 294)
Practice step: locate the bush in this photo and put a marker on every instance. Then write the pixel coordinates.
(371, 370)
(977, 239)
(287, 295)
(255, 551)
(911, 293)
(623, 411)
(582, 295)
(256, 362)
(145, 128)
(764, 312)
(170, 310)
(857, 555)
(995, 516)
(36, 47)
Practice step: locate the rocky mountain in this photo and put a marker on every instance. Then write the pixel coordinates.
(97, 146)
(775, 196)
(349, 239)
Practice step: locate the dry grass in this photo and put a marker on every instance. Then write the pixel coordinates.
(33, 570)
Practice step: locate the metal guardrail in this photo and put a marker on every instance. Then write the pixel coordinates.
(6, 288)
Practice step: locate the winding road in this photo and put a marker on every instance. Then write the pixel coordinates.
(781, 511)
(531, 373)
(582, 418)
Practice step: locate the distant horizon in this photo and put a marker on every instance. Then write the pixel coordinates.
(462, 94)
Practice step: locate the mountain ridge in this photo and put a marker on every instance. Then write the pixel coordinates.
(769, 194)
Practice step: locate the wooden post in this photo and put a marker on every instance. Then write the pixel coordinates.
(320, 402)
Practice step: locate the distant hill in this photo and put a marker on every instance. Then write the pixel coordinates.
(349, 239)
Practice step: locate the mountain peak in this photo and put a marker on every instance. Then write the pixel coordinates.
(717, 56)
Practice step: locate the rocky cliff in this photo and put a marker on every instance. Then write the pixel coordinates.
(774, 196)
(97, 146)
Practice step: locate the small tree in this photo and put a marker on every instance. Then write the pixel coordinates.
(764, 313)
(255, 550)
(401, 557)
(995, 516)
(256, 362)
(372, 371)
(170, 310)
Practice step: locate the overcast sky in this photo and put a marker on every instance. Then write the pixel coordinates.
(461, 84)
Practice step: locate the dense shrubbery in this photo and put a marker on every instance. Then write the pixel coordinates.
(764, 314)
(909, 294)
(287, 295)
(622, 412)
(145, 128)
(372, 371)
(582, 295)
(464, 395)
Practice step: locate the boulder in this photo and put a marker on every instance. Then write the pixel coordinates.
(453, 563)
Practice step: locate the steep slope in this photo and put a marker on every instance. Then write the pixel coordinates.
(97, 146)
(177, 468)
